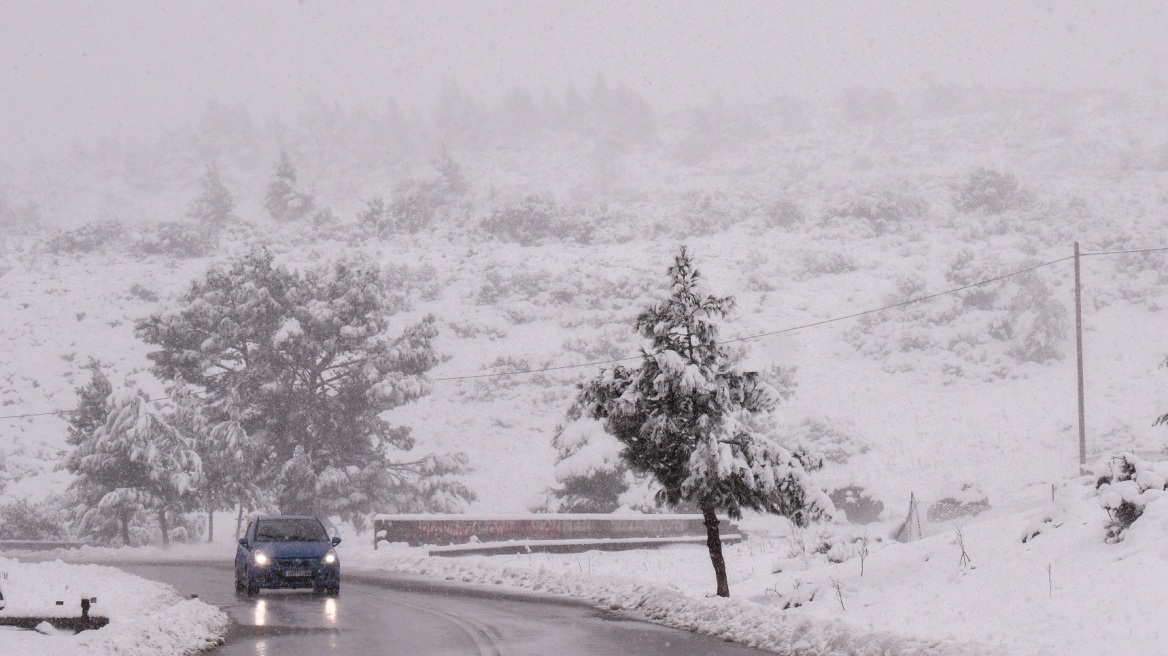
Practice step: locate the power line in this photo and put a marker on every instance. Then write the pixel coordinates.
(902, 303)
(777, 332)
(746, 338)
(1137, 250)
(69, 412)
(536, 371)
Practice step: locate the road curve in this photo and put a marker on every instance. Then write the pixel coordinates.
(379, 612)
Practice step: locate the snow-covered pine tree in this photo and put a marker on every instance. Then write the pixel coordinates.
(91, 405)
(284, 200)
(135, 461)
(684, 417)
(230, 460)
(304, 361)
(590, 475)
(214, 207)
(87, 490)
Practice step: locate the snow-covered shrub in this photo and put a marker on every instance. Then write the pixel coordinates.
(834, 550)
(792, 593)
(324, 219)
(285, 200)
(21, 520)
(883, 209)
(1150, 268)
(970, 501)
(993, 324)
(602, 291)
(214, 207)
(967, 268)
(144, 293)
(1037, 319)
(837, 446)
(415, 205)
(186, 528)
(704, 213)
(857, 506)
(988, 190)
(783, 213)
(826, 263)
(375, 218)
(499, 285)
(1025, 312)
(607, 345)
(782, 379)
(178, 239)
(1125, 485)
(421, 281)
(1050, 517)
(536, 219)
(590, 476)
(85, 239)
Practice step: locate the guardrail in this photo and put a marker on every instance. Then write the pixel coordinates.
(440, 530)
(568, 546)
(37, 545)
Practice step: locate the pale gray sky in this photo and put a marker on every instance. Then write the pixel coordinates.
(74, 68)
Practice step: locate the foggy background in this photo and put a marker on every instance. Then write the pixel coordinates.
(72, 70)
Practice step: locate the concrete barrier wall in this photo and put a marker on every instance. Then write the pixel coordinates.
(418, 530)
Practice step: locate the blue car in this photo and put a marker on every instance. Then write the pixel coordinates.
(287, 551)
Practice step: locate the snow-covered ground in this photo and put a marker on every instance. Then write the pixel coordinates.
(1061, 592)
(146, 618)
(919, 401)
(1036, 582)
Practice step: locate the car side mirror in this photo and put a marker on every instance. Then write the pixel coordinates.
(336, 540)
(243, 541)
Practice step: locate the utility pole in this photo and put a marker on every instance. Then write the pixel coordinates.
(1079, 359)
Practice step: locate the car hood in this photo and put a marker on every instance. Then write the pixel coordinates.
(294, 549)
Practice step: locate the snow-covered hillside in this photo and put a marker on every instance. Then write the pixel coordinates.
(803, 213)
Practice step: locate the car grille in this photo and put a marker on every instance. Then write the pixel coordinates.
(298, 563)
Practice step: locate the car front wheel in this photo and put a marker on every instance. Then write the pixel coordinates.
(250, 587)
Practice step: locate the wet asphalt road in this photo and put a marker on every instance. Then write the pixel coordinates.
(382, 613)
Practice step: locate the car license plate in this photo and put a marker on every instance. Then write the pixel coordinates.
(295, 573)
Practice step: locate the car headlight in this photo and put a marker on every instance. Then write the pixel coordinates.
(330, 557)
(261, 558)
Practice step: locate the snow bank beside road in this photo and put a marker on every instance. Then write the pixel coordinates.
(146, 618)
(1038, 582)
(732, 619)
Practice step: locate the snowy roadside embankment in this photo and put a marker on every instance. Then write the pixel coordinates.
(1041, 581)
(146, 618)
(736, 620)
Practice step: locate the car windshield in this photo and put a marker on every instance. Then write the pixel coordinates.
(290, 530)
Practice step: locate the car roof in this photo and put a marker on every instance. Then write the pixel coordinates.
(286, 517)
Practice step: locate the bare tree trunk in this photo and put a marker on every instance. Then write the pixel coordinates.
(163, 527)
(714, 544)
(125, 530)
(239, 522)
(210, 526)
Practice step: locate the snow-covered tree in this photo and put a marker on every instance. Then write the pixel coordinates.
(230, 461)
(284, 200)
(214, 207)
(91, 405)
(136, 461)
(590, 475)
(303, 362)
(684, 416)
